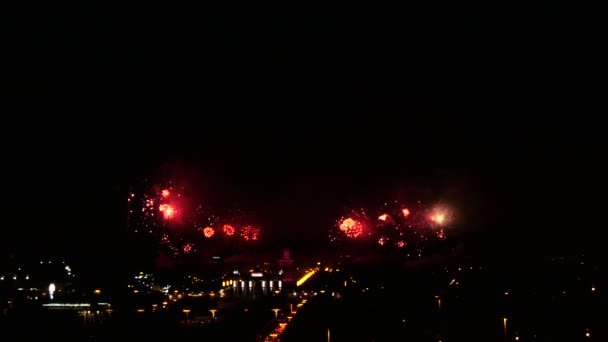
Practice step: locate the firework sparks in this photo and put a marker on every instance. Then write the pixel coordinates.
(168, 211)
(438, 218)
(411, 227)
(165, 193)
(441, 234)
(351, 228)
(250, 233)
(228, 230)
(188, 248)
(208, 232)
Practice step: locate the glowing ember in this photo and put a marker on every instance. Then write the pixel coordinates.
(383, 217)
(406, 212)
(400, 244)
(165, 193)
(228, 230)
(382, 241)
(208, 232)
(188, 248)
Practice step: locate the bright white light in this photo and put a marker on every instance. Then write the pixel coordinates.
(51, 290)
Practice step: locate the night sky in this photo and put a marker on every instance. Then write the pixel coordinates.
(297, 115)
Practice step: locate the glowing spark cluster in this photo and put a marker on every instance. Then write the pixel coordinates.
(180, 223)
(167, 210)
(208, 231)
(409, 226)
(250, 233)
(351, 228)
(228, 230)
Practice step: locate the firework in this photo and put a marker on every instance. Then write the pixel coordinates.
(351, 228)
(385, 218)
(250, 233)
(168, 211)
(228, 230)
(208, 231)
(180, 223)
(413, 225)
(188, 248)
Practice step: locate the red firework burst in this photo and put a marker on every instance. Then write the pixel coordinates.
(250, 233)
(228, 230)
(351, 228)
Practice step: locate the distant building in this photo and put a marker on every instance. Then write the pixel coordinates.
(256, 283)
(263, 281)
(286, 268)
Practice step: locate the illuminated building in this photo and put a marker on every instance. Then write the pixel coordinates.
(264, 281)
(286, 268)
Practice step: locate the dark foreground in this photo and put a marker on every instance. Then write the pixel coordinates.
(550, 300)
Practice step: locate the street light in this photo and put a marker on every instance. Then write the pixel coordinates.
(213, 311)
(51, 290)
(438, 303)
(276, 312)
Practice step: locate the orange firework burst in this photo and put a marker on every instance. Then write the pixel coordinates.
(167, 210)
(438, 218)
(351, 228)
(208, 231)
(165, 193)
(406, 212)
(228, 230)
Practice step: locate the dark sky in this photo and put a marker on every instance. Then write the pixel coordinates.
(300, 111)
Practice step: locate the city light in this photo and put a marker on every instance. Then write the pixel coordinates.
(305, 277)
(66, 305)
(213, 311)
(51, 290)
